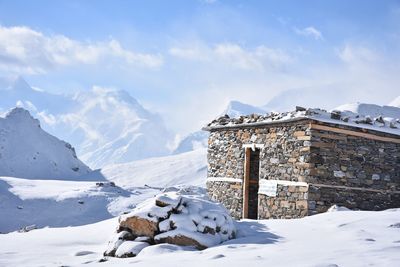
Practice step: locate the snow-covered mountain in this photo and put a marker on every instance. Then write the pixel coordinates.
(29, 152)
(112, 127)
(236, 109)
(192, 141)
(105, 125)
(199, 139)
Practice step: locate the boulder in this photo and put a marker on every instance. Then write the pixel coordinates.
(180, 240)
(139, 226)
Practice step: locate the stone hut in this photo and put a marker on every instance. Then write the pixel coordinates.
(294, 164)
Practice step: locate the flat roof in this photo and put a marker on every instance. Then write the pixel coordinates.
(346, 118)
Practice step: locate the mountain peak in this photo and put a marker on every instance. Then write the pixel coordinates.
(27, 151)
(236, 108)
(18, 115)
(20, 84)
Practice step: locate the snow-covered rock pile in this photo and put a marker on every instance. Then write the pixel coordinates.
(379, 122)
(174, 218)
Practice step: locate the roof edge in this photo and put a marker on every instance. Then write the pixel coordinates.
(254, 124)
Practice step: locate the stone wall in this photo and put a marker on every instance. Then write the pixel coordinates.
(357, 172)
(229, 194)
(284, 157)
(339, 159)
(290, 202)
(320, 199)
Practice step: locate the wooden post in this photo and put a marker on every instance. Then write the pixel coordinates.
(246, 183)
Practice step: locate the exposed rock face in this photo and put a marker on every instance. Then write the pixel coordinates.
(139, 226)
(175, 218)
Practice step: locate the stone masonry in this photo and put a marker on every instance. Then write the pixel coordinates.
(312, 164)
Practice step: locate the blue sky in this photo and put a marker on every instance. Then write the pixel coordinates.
(191, 57)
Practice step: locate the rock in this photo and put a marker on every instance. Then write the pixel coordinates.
(339, 174)
(164, 201)
(180, 240)
(380, 119)
(139, 226)
(335, 115)
(298, 108)
(376, 176)
(368, 120)
(27, 228)
(345, 119)
(130, 249)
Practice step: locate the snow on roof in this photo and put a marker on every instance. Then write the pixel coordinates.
(383, 121)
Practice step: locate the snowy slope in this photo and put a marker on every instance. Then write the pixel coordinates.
(62, 203)
(58, 203)
(105, 125)
(193, 141)
(395, 102)
(188, 168)
(345, 238)
(29, 152)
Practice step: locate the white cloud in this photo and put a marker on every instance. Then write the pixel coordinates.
(194, 52)
(24, 50)
(232, 55)
(310, 32)
(357, 54)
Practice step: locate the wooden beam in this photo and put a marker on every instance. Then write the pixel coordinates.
(354, 133)
(383, 191)
(246, 183)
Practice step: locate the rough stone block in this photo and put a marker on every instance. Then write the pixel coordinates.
(299, 133)
(301, 204)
